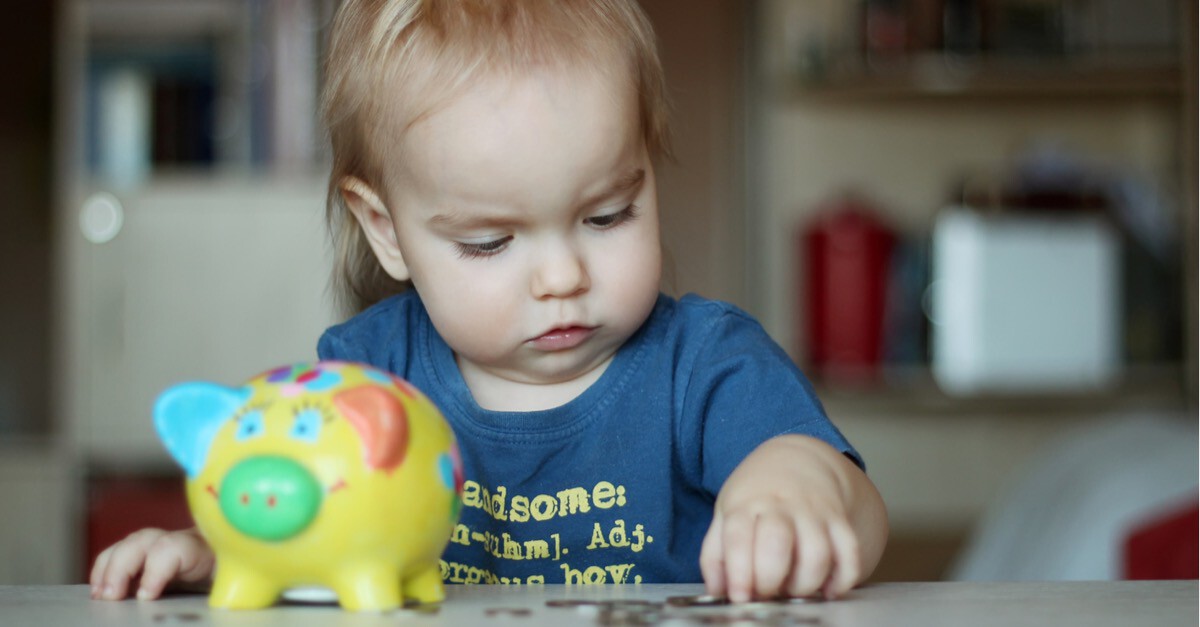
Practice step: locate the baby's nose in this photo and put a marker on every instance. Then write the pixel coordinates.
(561, 274)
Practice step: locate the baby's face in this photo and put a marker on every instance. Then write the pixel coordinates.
(526, 212)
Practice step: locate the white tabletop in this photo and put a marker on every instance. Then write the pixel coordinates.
(1060, 604)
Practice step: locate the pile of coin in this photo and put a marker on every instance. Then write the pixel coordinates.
(689, 610)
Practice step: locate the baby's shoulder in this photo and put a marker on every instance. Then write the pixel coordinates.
(694, 314)
(386, 323)
(698, 305)
(698, 329)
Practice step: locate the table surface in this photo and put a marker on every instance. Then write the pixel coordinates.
(1061, 604)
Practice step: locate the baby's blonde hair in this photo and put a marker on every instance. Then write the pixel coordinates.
(435, 48)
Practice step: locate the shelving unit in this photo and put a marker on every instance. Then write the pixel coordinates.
(189, 225)
(914, 391)
(190, 248)
(904, 129)
(208, 85)
(939, 76)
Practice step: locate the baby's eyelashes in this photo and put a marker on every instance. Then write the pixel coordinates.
(482, 249)
(610, 220)
(488, 248)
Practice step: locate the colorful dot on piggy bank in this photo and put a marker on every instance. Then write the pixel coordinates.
(331, 474)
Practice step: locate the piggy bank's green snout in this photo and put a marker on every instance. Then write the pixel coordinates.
(270, 498)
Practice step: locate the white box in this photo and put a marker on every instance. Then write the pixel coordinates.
(1024, 302)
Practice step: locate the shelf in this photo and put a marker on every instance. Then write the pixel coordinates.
(163, 19)
(193, 179)
(913, 391)
(161, 84)
(935, 76)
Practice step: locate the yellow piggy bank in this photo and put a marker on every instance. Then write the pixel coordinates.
(329, 474)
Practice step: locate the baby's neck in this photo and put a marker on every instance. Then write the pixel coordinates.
(495, 392)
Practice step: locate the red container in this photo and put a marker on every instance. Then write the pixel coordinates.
(845, 256)
(118, 506)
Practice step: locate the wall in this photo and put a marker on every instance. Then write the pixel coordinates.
(700, 192)
(36, 482)
(25, 219)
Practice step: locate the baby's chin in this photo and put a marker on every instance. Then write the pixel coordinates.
(562, 368)
(543, 384)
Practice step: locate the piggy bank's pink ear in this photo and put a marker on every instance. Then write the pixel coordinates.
(381, 423)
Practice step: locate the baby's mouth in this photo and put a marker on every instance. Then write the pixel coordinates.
(562, 338)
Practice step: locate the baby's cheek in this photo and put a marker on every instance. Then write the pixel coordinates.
(479, 335)
(638, 286)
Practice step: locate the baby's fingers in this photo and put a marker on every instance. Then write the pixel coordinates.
(814, 557)
(737, 551)
(743, 556)
(174, 556)
(120, 563)
(712, 558)
(774, 550)
(96, 580)
(847, 567)
(162, 564)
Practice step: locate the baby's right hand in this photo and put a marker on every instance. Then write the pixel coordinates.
(160, 557)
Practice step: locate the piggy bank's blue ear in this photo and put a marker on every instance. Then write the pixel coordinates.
(187, 417)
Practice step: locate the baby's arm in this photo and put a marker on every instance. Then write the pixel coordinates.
(794, 518)
(160, 556)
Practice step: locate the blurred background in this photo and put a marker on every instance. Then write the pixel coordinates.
(972, 222)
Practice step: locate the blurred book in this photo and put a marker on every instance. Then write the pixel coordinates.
(150, 104)
(238, 87)
(1089, 30)
(183, 121)
(122, 133)
(905, 325)
(291, 30)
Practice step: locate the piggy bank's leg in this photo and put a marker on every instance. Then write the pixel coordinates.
(368, 587)
(426, 585)
(237, 587)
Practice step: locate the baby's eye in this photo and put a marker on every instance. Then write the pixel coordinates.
(483, 249)
(611, 220)
(307, 425)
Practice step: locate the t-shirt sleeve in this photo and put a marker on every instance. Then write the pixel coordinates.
(334, 346)
(744, 390)
(376, 337)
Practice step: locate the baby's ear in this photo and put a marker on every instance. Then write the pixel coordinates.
(376, 222)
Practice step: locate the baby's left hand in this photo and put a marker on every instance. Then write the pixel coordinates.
(782, 524)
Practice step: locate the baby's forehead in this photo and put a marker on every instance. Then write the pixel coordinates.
(417, 92)
(419, 114)
(509, 139)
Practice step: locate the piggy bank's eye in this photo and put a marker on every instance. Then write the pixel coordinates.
(307, 426)
(250, 425)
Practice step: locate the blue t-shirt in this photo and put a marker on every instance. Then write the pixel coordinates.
(617, 485)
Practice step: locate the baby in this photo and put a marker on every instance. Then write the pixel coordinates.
(494, 213)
